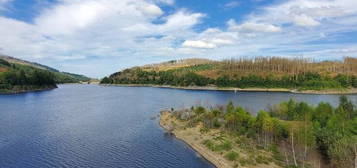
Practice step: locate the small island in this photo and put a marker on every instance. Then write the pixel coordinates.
(290, 134)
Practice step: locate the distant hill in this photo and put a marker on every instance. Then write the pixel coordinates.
(61, 77)
(17, 75)
(272, 72)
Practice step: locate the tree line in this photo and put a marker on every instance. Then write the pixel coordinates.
(302, 80)
(293, 66)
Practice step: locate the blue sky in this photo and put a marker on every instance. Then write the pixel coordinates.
(99, 37)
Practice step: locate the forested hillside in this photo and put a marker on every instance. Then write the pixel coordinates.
(274, 72)
(60, 77)
(22, 76)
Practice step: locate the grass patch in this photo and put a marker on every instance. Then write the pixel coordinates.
(224, 146)
(209, 144)
(231, 156)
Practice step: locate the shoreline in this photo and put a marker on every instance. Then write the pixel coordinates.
(195, 139)
(215, 88)
(13, 92)
(197, 147)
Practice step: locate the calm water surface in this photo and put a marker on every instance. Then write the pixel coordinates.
(98, 126)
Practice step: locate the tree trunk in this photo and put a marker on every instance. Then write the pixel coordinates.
(292, 147)
(286, 155)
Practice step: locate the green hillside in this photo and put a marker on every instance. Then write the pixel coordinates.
(18, 76)
(60, 77)
(272, 72)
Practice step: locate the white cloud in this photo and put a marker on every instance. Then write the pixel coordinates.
(221, 41)
(253, 27)
(182, 20)
(306, 12)
(106, 29)
(121, 33)
(198, 44)
(231, 4)
(151, 10)
(168, 2)
(303, 20)
(67, 18)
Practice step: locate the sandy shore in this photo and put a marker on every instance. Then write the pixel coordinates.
(329, 91)
(194, 138)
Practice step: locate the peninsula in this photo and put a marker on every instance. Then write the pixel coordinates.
(290, 134)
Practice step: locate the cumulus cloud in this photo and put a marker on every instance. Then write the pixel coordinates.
(141, 31)
(115, 29)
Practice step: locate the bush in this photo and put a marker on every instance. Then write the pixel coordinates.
(216, 123)
(209, 144)
(232, 155)
(226, 145)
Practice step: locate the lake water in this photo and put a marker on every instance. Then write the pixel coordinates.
(101, 126)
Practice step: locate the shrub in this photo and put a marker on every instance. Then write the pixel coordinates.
(209, 144)
(226, 145)
(231, 156)
(216, 123)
